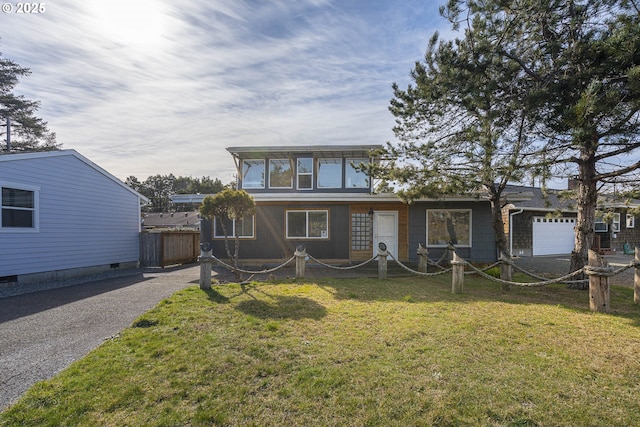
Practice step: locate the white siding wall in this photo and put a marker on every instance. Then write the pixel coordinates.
(86, 219)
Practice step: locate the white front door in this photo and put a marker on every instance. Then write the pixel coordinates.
(385, 229)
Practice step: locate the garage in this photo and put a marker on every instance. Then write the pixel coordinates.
(553, 236)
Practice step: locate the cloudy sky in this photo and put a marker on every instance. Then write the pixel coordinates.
(145, 87)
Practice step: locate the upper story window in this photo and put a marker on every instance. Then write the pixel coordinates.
(329, 173)
(253, 174)
(280, 173)
(305, 173)
(19, 208)
(355, 178)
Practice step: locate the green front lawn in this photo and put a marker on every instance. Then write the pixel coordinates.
(365, 352)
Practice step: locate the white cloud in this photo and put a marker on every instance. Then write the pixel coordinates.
(170, 95)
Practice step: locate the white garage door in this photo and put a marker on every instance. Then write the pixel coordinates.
(553, 236)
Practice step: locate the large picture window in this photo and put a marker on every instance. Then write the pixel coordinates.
(329, 173)
(243, 228)
(310, 224)
(19, 208)
(355, 178)
(305, 173)
(253, 174)
(280, 173)
(449, 225)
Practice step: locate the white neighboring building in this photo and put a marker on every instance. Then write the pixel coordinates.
(64, 216)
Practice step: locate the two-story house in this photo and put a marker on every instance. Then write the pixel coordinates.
(317, 197)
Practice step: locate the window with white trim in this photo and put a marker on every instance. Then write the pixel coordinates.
(244, 228)
(280, 173)
(356, 178)
(253, 173)
(600, 225)
(305, 173)
(631, 221)
(615, 223)
(307, 224)
(330, 173)
(19, 208)
(449, 225)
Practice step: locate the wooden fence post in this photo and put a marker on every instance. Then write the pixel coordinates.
(382, 260)
(599, 294)
(457, 274)
(301, 255)
(423, 260)
(205, 259)
(636, 278)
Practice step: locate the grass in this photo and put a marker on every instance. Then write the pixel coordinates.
(357, 352)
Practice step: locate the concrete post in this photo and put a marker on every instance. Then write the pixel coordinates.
(205, 259)
(301, 255)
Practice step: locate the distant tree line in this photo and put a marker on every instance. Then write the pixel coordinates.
(159, 188)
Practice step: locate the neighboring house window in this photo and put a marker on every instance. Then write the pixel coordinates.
(356, 179)
(244, 228)
(253, 174)
(449, 225)
(600, 225)
(616, 222)
(361, 235)
(329, 173)
(310, 224)
(280, 173)
(19, 208)
(631, 221)
(305, 173)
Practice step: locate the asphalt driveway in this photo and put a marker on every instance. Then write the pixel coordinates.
(42, 332)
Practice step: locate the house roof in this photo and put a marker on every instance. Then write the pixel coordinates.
(544, 201)
(323, 150)
(8, 157)
(172, 219)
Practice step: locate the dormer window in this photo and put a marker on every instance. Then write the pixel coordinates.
(355, 178)
(253, 174)
(280, 173)
(330, 173)
(305, 173)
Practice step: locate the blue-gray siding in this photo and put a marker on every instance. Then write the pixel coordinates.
(483, 247)
(86, 218)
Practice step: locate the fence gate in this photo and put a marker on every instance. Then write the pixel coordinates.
(160, 249)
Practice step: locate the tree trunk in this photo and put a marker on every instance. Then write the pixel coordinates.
(587, 198)
(502, 245)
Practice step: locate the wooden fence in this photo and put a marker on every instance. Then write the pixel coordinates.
(160, 249)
